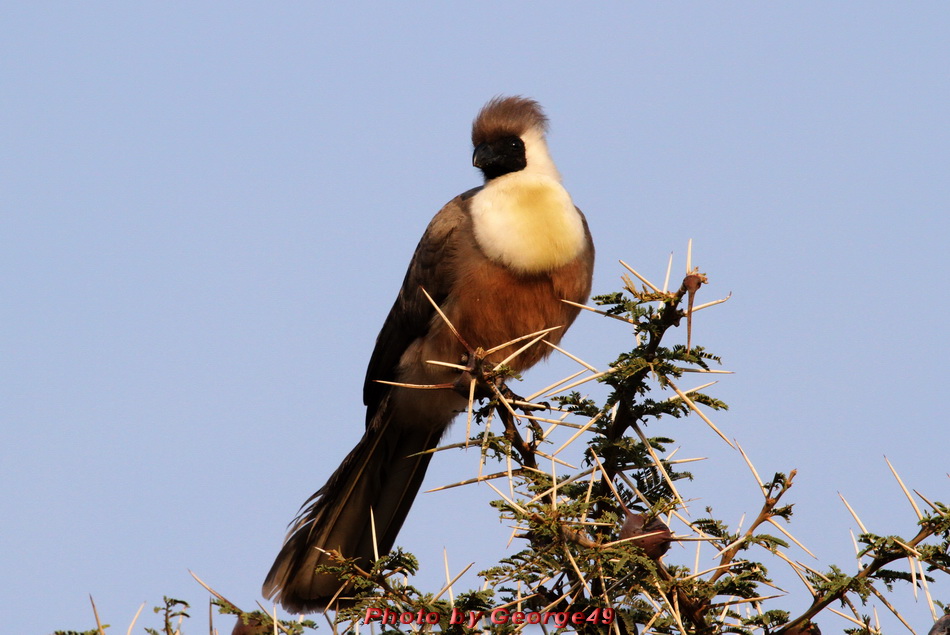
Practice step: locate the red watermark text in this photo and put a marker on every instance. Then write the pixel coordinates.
(497, 616)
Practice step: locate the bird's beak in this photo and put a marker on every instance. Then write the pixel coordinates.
(483, 155)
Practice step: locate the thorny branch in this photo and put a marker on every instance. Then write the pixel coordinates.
(578, 556)
(866, 573)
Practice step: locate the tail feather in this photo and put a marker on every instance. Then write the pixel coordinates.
(384, 473)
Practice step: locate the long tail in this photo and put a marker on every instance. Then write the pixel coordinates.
(384, 473)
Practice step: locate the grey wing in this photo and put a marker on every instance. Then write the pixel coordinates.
(409, 319)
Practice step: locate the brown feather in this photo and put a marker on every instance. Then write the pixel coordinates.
(507, 116)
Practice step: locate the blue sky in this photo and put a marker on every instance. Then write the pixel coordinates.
(206, 210)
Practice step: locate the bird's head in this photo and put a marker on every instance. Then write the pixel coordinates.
(508, 136)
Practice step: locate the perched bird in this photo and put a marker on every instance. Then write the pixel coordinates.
(650, 534)
(253, 627)
(497, 260)
(941, 626)
(806, 628)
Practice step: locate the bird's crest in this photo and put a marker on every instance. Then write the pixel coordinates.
(504, 116)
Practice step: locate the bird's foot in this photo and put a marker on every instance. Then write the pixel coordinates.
(490, 384)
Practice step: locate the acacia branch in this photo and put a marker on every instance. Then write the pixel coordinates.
(765, 514)
(879, 562)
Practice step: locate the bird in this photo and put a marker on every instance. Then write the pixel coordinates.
(805, 628)
(254, 626)
(941, 626)
(497, 260)
(650, 534)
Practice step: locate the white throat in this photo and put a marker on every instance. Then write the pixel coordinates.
(526, 220)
